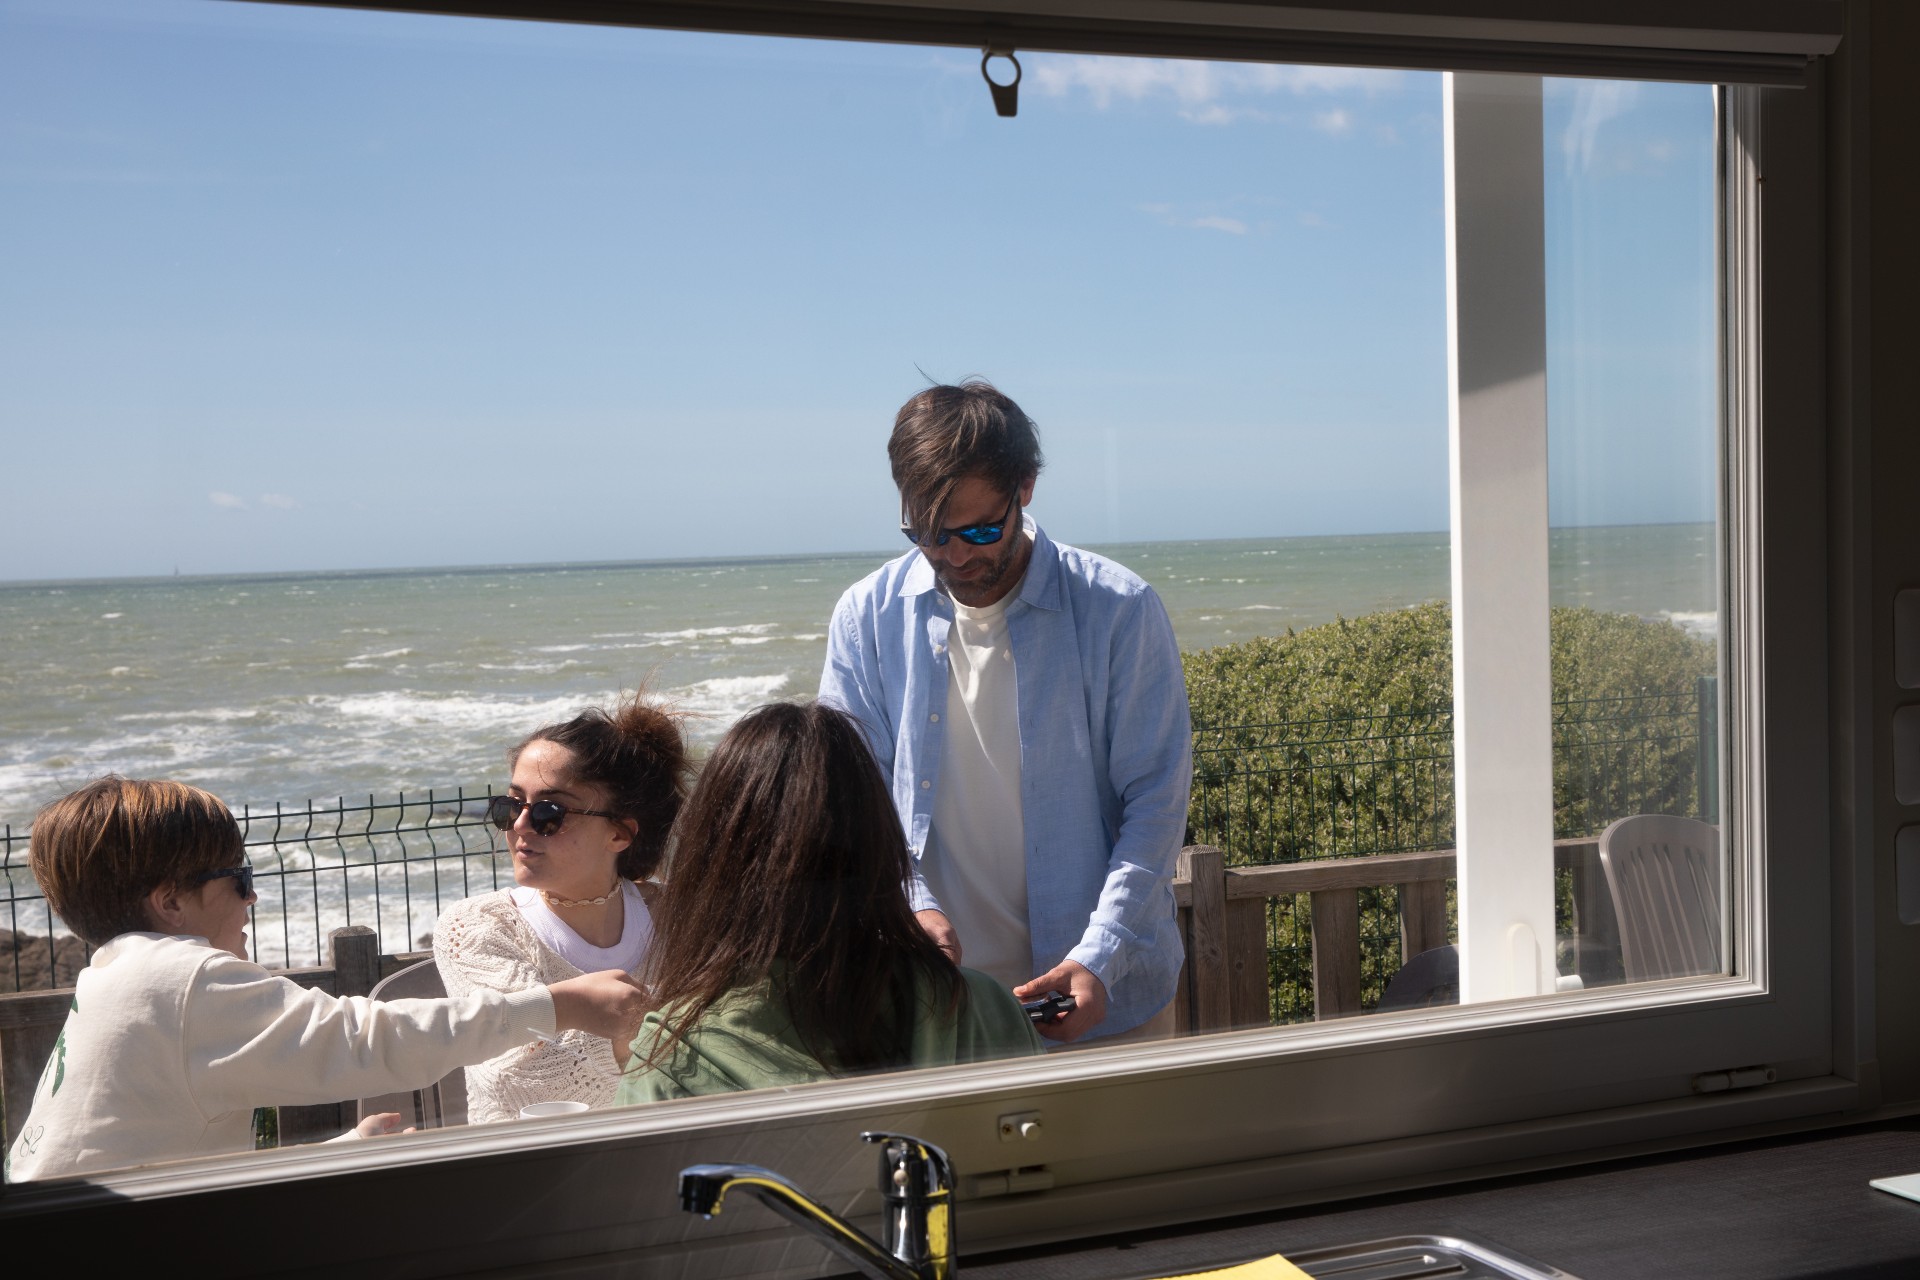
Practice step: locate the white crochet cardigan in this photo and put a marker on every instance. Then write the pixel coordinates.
(484, 943)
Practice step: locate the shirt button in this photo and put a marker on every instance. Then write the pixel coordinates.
(926, 784)
(935, 717)
(939, 648)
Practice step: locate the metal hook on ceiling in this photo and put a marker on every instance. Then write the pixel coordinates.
(1006, 97)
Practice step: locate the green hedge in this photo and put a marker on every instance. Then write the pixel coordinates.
(1336, 741)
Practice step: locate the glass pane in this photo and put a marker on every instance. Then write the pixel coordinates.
(1635, 547)
(611, 326)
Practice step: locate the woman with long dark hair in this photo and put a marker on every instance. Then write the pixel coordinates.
(586, 817)
(787, 951)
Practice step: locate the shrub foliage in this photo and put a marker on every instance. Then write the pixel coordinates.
(1337, 741)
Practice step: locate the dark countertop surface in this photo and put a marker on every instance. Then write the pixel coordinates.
(1765, 1209)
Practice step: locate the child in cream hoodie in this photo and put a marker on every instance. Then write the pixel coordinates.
(174, 1036)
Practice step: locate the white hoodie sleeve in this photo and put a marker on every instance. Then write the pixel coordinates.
(252, 1038)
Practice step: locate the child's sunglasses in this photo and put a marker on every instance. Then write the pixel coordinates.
(546, 817)
(978, 535)
(242, 874)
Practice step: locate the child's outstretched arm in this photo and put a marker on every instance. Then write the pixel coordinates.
(608, 1003)
(254, 1038)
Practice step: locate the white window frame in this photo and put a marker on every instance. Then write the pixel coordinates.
(1136, 1136)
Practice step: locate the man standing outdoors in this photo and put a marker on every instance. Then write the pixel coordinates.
(1028, 700)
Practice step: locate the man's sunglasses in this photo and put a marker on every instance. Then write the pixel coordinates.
(546, 817)
(242, 874)
(978, 535)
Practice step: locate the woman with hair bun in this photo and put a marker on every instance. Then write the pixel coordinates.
(586, 816)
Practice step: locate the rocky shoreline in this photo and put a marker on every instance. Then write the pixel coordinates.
(36, 962)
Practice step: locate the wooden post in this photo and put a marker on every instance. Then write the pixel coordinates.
(356, 967)
(1247, 976)
(1336, 953)
(356, 959)
(1209, 990)
(1423, 917)
(24, 1051)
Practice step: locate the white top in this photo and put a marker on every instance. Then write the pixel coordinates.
(636, 933)
(171, 1044)
(490, 942)
(975, 860)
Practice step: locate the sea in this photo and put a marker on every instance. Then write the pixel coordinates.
(288, 687)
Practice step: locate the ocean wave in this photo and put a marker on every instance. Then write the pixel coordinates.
(702, 633)
(561, 648)
(218, 715)
(406, 708)
(729, 697)
(377, 657)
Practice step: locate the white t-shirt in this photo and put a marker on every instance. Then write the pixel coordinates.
(636, 933)
(975, 859)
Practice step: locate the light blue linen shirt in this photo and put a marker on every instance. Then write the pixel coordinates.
(1106, 750)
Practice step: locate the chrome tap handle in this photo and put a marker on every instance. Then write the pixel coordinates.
(916, 1179)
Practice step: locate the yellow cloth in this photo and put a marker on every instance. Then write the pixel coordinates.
(1274, 1268)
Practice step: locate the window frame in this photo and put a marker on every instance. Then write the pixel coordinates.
(1464, 1090)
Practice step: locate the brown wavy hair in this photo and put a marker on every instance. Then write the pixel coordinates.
(101, 850)
(947, 433)
(790, 855)
(637, 757)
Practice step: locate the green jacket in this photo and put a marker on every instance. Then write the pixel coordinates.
(746, 1041)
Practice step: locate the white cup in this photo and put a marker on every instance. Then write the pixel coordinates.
(538, 1109)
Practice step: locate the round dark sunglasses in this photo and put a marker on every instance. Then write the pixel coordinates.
(546, 817)
(978, 535)
(242, 875)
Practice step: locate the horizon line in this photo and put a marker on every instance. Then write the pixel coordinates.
(565, 566)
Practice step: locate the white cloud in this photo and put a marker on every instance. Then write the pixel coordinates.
(227, 501)
(279, 501)
(1214, 222)
(1198, 87)
(1214, 113)
(1314, 220)
(1338, 121)
(1206, 222)
(1595, 102)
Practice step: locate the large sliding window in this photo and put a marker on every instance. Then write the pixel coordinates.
(1429, 400)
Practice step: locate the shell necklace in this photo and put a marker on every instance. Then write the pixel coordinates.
(553, 901)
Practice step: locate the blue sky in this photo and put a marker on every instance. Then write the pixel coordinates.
(301, 289)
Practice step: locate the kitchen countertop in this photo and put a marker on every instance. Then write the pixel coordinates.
(1767, 1209)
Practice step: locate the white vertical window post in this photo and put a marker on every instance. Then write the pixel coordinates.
(1497, 481)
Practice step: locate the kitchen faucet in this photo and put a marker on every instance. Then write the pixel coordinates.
(917, 1232)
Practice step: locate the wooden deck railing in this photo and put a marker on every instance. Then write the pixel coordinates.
(1223, 919)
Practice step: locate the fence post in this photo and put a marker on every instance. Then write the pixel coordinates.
(355, 952)
(356, 959)
(1250, 997)
(1209, 993)
(1423, 917)
(1336, 953)
(24, 1051)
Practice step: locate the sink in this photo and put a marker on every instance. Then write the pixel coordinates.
(1440, 1257)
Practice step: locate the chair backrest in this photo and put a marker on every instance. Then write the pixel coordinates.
(438, 1105)
(1664, 875)
(1429, 979)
